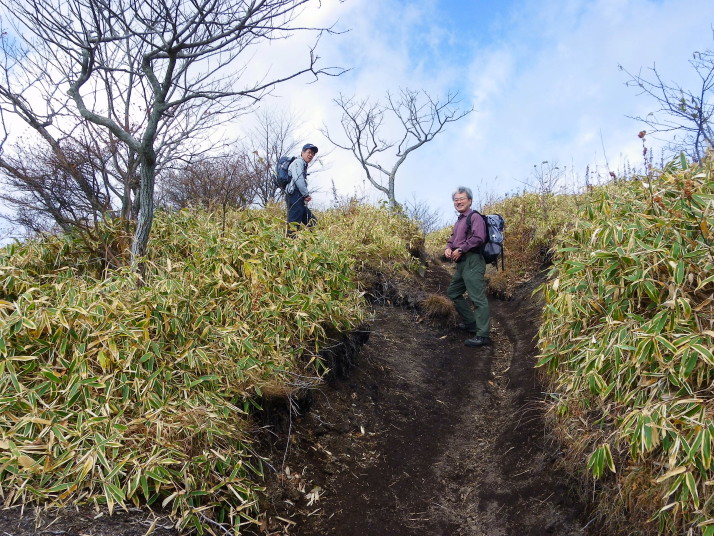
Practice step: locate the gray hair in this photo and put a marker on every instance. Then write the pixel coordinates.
(463, 190)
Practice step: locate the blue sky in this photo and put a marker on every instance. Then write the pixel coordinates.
(542, 76)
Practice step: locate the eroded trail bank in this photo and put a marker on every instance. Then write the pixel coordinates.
(428, 437)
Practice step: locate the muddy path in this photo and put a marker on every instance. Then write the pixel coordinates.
(428, 437)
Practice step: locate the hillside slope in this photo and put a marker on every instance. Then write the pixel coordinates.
(422, 437)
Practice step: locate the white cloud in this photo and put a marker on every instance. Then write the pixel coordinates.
(541, 74)
(550, 88)
(547, 87)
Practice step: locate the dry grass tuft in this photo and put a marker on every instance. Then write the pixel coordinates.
(438, 307)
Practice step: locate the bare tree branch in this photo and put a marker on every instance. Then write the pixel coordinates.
(138, 69)
(271, 138)
(684, 112)
(420, 118)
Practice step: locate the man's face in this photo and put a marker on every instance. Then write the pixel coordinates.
(308, 155)
(462, 203)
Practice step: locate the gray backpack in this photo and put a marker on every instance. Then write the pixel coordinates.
(492, 249)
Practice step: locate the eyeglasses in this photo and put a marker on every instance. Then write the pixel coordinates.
(459, 199)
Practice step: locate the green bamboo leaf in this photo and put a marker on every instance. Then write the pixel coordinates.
(675, 486)
(704, 352)
(668, 346)
(51, 376)
(576, 267)
(608, 461)
(596, 463)
(646, 434)
(683, 161)
(691, 486)
(689, 362)
(685, 306)
(659, 322)
(704, 282)
(679, 272)
(600, 459)
(113, 493)
(706, 454)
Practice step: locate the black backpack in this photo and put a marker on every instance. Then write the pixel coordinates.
(282, 173)
(492, 249)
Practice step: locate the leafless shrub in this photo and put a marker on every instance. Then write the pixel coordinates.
(429, 219)
(214, 184)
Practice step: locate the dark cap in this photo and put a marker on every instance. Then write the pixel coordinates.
(309, 146)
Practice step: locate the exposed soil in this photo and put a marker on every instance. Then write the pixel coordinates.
(422, 436)
(429, 437)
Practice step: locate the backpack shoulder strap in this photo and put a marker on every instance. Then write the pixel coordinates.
(469, 222)
(290, 188)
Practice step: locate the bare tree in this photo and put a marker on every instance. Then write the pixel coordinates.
(429, 219)
(546, 182)
(139, 68)
(213, 183)
(61, 176)
(271, 138)
(684, 112)
(29, 92)
(419, 116)
(60, 188)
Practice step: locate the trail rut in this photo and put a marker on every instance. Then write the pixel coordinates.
(429, 437)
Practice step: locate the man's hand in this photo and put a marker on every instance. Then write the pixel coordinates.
(456, 254)
(447, 253)
(307, 199)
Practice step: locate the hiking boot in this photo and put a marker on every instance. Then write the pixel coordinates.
(478, 341)
(464, 327)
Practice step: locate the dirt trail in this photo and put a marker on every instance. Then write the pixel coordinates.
(429, 437)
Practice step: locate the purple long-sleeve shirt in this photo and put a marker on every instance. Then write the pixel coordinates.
(459, 240)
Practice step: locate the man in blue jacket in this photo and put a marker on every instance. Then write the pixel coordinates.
(297, 195)
(464, 248)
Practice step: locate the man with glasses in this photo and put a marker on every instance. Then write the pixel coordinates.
(464, 248)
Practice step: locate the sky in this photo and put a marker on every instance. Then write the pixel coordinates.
(541, 76)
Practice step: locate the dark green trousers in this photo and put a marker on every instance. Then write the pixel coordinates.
(469, 277)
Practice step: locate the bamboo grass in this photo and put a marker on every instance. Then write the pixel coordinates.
(627, 335)
(115, 393)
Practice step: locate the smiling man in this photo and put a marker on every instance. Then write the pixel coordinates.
(297, 195)
(464, 248)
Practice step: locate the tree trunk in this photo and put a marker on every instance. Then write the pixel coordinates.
(146, 212)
